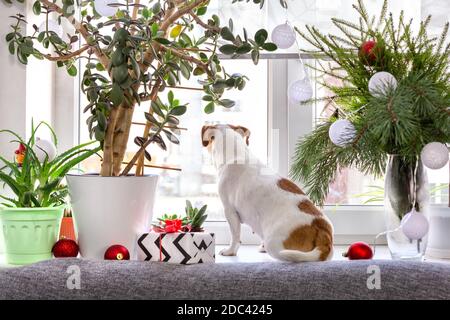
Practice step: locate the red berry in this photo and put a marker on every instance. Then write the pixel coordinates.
(359, 250)
(117, 252)
(65, 248)
(369, 52)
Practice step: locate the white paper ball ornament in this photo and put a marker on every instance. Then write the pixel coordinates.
(414, 225)
(300, 91)
(283, 36)
(342, 132)
(43, 148)
(434, 155)
(103, 7)
(381, 82)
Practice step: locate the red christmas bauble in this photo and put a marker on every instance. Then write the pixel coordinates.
(117, 252)
(358, 251)
(65, 248)
(369, 52)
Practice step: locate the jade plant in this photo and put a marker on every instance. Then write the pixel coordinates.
(34, 180)
(131, 57)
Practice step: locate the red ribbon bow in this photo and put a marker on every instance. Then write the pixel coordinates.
(171, 226)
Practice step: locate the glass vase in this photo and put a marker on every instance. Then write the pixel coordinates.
(406, 189)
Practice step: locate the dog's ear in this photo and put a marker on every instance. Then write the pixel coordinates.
(243, 131)
(207, 135)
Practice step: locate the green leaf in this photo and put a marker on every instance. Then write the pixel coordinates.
(146, 13)
(228, 49)
(116, 95)
(163, 41)
(201, 11)
(209, 108)
(156, 8)
(172, 138)
(155, 28)
(269, 46)
(226, 34)
(207, 98)
(37, 8)
(178, 111)
(157, 109)
(10, 36)
(72, 71)
(227, 103)
(150, 118)
(245, 48)
(198, 71)
(12, 47)
(170, 97)
(100, 67)
(261, 36)
(255, 56)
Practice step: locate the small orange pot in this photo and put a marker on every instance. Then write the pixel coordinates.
(67, 229)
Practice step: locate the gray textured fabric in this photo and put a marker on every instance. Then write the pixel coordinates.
(152, 280)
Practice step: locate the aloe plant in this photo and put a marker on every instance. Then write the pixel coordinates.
(195, 216)
(35, 183)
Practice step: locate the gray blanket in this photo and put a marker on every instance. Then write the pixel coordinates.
(83, 279)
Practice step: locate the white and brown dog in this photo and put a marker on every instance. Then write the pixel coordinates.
(277, 210)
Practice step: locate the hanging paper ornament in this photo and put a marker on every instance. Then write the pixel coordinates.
(342, 132)
(117, 252)
(103, 7)
(381, 82)
(51, 26)
(283, 36)
(359, 251)
(434, 155)
(43, 149)
(369, 52)
(414, 225)
(301, 91)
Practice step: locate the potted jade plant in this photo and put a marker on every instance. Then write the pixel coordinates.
(31, 216)
(131, 52)
(389, 116)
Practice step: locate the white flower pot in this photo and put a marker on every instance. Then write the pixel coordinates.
(439, 234)
(111, 210)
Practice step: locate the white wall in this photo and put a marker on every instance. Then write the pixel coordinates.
(12, 83)
(12, 89)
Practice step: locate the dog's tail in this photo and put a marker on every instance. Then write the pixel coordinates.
(300, 256)
(321, 236)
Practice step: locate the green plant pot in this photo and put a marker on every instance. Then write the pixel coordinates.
(30, 233)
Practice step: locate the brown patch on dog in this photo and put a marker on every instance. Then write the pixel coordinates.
(302, 239)
(317, 235)
(243, 131)
(289, 186)
(324, 239)
(308, 207)
(206, 138)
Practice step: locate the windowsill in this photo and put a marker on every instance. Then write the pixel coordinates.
(250, 254)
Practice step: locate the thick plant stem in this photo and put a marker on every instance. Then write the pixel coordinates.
(108, 143)
(140, 162)
(121, 136)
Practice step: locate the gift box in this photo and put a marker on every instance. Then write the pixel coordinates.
(177, 247)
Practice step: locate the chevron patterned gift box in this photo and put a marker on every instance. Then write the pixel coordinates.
(177, 247)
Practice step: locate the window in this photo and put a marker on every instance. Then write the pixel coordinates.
(275, 123)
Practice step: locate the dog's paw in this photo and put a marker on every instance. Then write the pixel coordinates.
(228, 252)
(261, 248)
